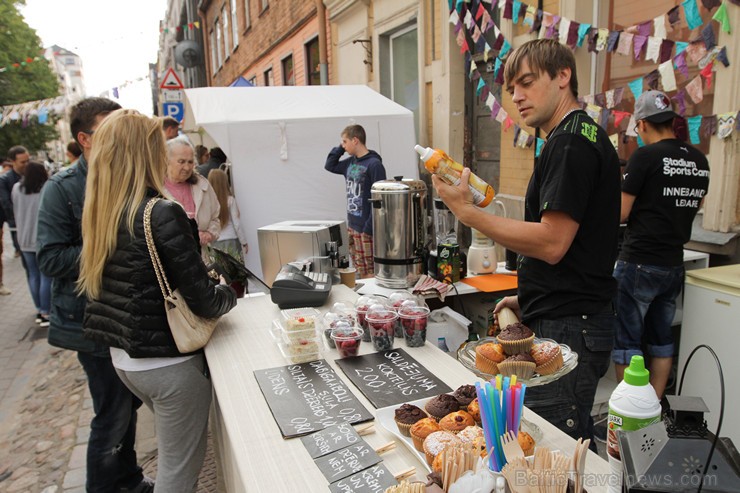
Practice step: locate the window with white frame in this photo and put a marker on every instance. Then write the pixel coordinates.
(247, 17)
(234, 24)
(265, 4)
(219, 42)
(288, 74)
(214, 51)
(227, 32)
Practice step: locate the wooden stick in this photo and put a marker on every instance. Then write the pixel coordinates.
(365, 429)
(385, 448)
(406, 473)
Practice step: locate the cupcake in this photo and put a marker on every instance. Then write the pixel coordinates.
(470, 433)
(547, 356)
(421, 429)
(487, 357)
(436, 442)
(442, 405)
(516, 338)
(526, 442)
(464, 395)
(407, 415)
(456, 422)
(474, 410)
(522, 365)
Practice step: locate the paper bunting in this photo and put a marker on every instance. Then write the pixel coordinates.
(563, 31)
(695, 90)
(668, 77)
(666, 48)
(190, 26)
(639, 43)
(583, 29)
(707, 34)
(725, 124)
(691, 10)
(636, 87)
(721, 17)
(538, 147)
(23, 63)
(710, 4)
(706, 72)
(708, 125)
(653, 48)
(659, 30)
(41, 109)
(694, 123)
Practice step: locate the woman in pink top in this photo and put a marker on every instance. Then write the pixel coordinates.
(191, 190)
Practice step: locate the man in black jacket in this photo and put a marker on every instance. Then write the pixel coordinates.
(19, 156)
(111, 458)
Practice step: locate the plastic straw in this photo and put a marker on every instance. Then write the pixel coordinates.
(513, 380)
(505, 406)
(498, 425)
(485, 418)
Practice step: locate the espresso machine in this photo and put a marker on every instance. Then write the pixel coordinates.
(399, 231)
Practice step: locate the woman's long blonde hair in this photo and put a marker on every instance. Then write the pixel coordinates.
(220, 183)
(128, 156)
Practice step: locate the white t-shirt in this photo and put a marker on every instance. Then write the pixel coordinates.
(122, 361)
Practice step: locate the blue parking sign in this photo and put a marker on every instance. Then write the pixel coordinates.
(175, 110)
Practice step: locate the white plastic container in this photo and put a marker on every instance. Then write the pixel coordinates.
(633, 405)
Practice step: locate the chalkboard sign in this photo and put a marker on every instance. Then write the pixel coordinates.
(372, 480)
(347, 461)
(309, 397)
(391, 377)
(331, 439)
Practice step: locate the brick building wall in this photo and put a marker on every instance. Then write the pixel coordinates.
(266, 36)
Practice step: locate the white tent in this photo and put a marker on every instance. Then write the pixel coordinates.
(278, 138)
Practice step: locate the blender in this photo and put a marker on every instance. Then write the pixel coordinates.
(445, 228)
(482, 252)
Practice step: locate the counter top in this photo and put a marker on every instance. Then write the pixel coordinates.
(251, 452)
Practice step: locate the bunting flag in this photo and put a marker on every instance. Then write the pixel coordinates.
(694, 123)
(691, 11)
(721, 17)
(189, 26)
(41, 109)
(23, 63)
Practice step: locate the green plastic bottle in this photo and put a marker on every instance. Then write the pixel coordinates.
(633, 405)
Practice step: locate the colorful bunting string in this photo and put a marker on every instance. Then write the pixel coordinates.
(23, 63)
(24, 111)
(190, 26)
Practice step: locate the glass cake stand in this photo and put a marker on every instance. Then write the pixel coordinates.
(466, 356)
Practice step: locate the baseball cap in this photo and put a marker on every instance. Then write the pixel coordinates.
(653, 106)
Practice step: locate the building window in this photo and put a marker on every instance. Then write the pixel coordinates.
(313, 66)
(268, 77)
(219, 42)
(288, 74)
(69, 61)
(253, 80)
(234, 24)
(247, 17)
(214, 51)
(227, 31)
(265, 4)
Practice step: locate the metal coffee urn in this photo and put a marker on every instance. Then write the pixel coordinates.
(399, 231)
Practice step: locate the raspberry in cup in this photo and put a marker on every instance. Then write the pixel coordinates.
(381, 323)
(414, 322)
(340, 312)
(362, 305)
(347, 339)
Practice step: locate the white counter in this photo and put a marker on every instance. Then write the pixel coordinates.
(251, 452)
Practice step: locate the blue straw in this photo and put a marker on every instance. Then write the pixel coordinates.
(486, 422)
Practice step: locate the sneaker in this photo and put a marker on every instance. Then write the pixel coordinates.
(146, 486)
(44, 321)
(5, 291)
(39, 318)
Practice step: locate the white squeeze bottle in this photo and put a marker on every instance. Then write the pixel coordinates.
(633, 405)
(439, 163)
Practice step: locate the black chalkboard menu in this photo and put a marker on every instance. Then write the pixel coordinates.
(347, 461)
(371, 480)
(308, 397)
(330, 439)
(391, 377)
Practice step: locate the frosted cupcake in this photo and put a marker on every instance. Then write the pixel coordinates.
(436, 443)
(547, 356)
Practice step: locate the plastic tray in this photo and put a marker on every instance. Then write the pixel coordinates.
(301, 312)
(290, 337)
(466, 356)
(291, 356)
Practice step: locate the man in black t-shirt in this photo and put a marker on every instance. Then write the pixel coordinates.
(567, 244)
(664, 184)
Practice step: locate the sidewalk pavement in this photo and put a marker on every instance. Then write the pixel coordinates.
(45, 406)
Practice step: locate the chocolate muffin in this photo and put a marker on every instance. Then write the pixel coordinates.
(522, 365)
(442, 405)
(516, 338)
(407, 415)
(464, 395)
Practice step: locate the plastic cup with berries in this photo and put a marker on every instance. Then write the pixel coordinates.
(414, 322)
(361, 306)
(347, 339)
(381, 322)
(331, 320)
(396, 300)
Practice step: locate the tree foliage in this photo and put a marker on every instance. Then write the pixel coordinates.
(29, 82)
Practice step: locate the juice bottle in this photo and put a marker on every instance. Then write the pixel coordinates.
(442, 165)
(633, 405)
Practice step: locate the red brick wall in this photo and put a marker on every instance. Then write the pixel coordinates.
(281, 29)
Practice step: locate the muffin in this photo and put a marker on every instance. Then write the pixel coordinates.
(442, 405)
(547, 356)
(487, 356)
(421, 429)
(464, 395)
(516, 338)
(456, 422)
(522, 365)
(470, 434)
(474, 410)
(436, 443)
(407, 415)
(526, 442)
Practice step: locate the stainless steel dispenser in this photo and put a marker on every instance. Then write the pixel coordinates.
(399, 231)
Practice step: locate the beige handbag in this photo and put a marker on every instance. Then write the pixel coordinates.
(190, 331)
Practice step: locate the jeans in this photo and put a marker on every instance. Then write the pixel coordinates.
(111, 458)
(567, 402)
(646, 304)
(38, 284)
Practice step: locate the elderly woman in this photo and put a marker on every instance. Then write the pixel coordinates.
(126, 308)
(191, 190)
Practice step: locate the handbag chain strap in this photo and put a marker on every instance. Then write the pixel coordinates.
(156, 262)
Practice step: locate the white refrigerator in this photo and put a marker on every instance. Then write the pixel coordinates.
(711, 316)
